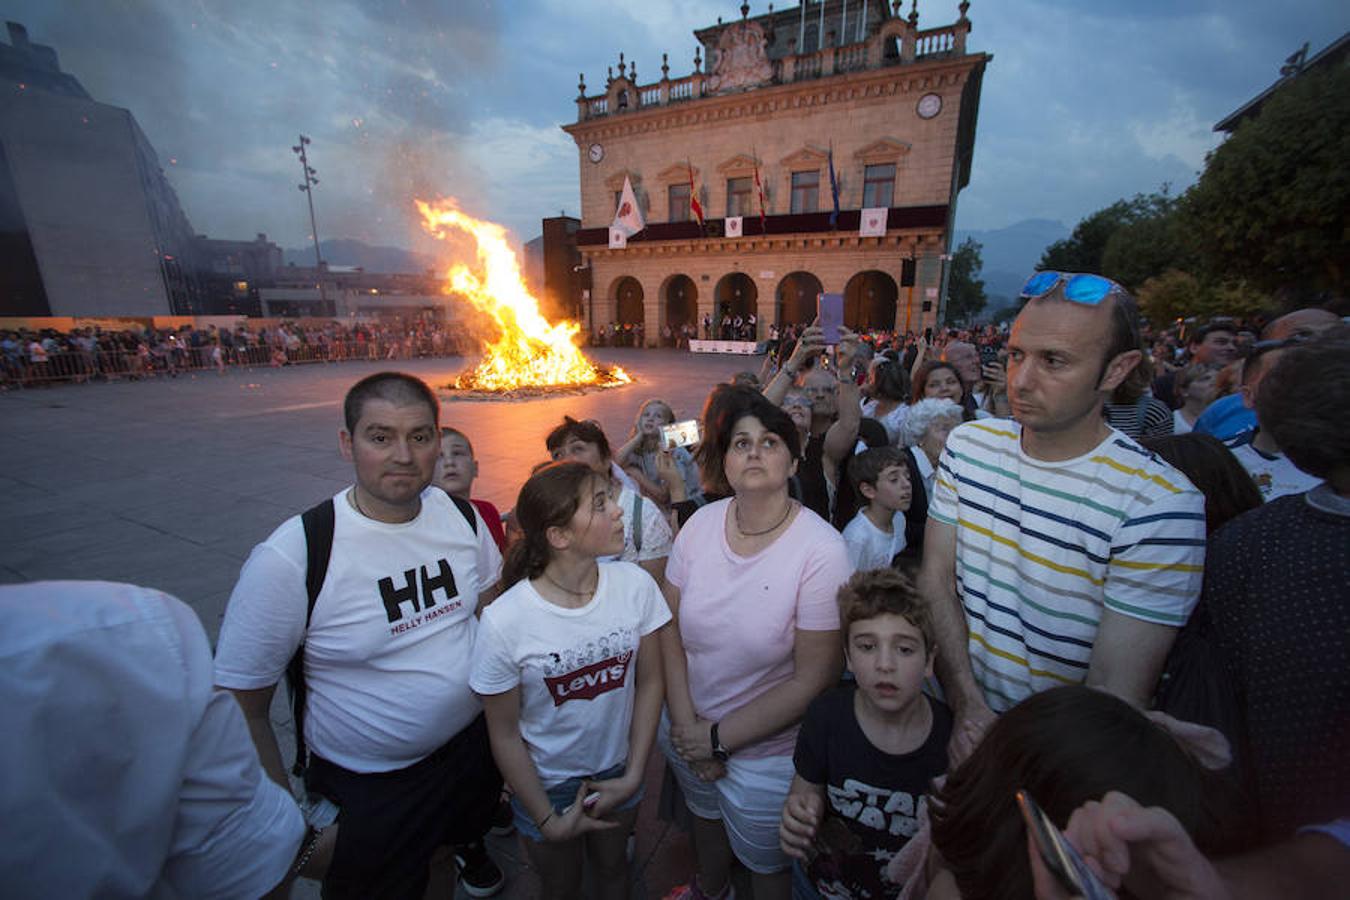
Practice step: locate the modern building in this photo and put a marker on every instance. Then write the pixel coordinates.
(841, 92)
(89, 225)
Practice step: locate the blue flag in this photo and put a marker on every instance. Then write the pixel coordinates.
(834, 190)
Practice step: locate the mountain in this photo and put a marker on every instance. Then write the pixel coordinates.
(372, 258)
(1010, 254)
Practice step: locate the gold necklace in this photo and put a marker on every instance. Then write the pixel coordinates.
(736, 514)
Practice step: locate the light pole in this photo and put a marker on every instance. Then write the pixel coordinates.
(308, 187)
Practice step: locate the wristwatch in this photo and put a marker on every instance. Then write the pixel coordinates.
(720, 753)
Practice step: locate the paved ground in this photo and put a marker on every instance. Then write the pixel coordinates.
(170, 482)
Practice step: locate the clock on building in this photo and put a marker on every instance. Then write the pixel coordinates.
(929, 105)
(596, 153)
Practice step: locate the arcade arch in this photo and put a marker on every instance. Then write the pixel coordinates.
(869, 301)
(796, 298)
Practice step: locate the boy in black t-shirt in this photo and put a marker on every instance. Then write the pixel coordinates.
(867, 751)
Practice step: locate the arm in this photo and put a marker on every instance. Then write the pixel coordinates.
(843, 432)
(257, 706)
(642, 730)
(658, 491)
(810, 345)
(802, 814)
(817, 663)
(679, 702)
(937, 583)
(1128, 656)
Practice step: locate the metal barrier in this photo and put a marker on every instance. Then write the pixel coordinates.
(78, 366)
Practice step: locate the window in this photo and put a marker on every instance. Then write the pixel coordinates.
(879, 185)
(618, 198)
(806, 191)
(738, 196)
(677, 200)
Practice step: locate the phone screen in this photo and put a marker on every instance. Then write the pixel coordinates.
(680, 434)
(830, 315)
(1058, 854)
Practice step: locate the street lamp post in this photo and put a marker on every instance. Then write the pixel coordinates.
(308, 187)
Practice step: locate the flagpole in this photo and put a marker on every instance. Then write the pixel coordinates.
(843, 25)
(801, 31)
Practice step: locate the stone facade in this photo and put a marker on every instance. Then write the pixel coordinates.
(893, 95)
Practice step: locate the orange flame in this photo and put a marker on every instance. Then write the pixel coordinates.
(530, 352)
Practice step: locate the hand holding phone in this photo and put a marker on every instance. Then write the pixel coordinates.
(680, 434)
(1059, 856)
(830, 316)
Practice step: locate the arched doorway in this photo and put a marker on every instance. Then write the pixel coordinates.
(869, 301)
(629, 312)
(680, 296)
(736, 295)
(797, 294)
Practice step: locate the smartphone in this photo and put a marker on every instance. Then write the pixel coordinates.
(590, 800)
(1058, 854)
(830, 316)
(680, 434)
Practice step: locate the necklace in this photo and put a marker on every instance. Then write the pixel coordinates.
(551, 580)
(743, 533)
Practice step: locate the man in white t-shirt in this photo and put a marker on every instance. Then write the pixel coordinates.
(1057, 550)
(395, 737)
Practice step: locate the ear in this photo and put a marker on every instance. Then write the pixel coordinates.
(932, 658)
(1118, 369)
(345, 444)
(1248, 392)
(559, 537)
(869, 491)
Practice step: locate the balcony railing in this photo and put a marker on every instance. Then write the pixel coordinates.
(896, 43)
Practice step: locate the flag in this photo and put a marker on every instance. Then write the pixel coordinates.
(760, 188)
(735, 226)
(872, 222)
(618, 239)
(694, 206)
(834, 190)
(628, 217)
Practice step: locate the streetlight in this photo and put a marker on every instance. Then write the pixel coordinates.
(308, 187)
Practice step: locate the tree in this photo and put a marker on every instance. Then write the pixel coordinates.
(1273, 204)
(1151, 243)
(965, 287)
(1132, 224)
(1176, 294)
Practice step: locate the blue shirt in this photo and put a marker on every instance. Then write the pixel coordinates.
(1226, 418)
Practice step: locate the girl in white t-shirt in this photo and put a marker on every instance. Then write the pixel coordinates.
(568, 667)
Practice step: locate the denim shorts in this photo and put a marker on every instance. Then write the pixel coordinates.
(564, 794)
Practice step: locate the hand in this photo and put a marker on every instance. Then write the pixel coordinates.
(693, 741)
(666, 470)
(614, 792)
(969, 727)
(563, 826)
(847, 350)
(995, 378)
(810, 344)
(709, 770)
(797, 829)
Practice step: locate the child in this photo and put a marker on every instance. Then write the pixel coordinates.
(569, 670)
(867, 751)
(455, 471)
(877, 532)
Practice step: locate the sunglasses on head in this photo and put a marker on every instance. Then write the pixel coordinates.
(1086, 289)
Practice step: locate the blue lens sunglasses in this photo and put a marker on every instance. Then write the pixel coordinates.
(1088, 290)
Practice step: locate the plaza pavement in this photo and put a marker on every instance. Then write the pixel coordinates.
(170, 482)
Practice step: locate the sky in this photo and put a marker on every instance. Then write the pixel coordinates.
(1084, 102)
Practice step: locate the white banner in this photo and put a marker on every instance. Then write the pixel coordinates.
(735, 226)
(873, 222)
(618, 238)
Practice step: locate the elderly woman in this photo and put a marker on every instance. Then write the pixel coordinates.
(665, 475)
(924, 435)
(752, 581)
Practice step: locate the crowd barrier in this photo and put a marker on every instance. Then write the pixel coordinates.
(744, 348)
(114, 365)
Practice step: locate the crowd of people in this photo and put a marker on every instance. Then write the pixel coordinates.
(901, 597)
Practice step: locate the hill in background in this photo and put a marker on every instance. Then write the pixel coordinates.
(1010, 254)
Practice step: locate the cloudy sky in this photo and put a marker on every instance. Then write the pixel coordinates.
(1084, 102)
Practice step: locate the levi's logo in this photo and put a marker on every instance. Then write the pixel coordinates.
(591, 681)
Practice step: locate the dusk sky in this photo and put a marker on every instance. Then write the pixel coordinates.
(1083, 103)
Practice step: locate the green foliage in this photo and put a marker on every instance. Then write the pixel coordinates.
(1089, 247)
(1273, 204)
(1176, 294)
(965, 287)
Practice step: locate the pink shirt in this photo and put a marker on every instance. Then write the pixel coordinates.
(739, 614)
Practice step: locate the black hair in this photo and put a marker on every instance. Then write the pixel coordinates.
(398, 388)
(583, 430)
(866, 467)
(549, 498)
(1228, 488)
(890, 380)
(727, 405)
(1303, 402)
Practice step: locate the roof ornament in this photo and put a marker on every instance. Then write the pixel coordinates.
(745, 10)
(965, 5)
(665, 67)
(632, 72)
(698, 61)
(914, 14)
(581, 84)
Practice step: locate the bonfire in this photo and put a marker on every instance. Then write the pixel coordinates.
(529, 353)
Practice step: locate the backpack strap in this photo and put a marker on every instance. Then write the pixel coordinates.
(466, 508)
(318, 522)
(637, 522)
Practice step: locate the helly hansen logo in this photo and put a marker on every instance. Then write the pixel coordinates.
(413, 579)
(591, 681)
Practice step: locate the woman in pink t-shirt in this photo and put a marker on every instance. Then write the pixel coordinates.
(752, 584)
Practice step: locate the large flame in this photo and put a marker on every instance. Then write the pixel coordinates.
(530, 352)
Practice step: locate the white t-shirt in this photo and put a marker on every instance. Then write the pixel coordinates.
(1274, 475)
(1179, 423)
(871, 548)
(656, 536)
(893, 421)
(388, 647)
(576, 668)
(127, 775)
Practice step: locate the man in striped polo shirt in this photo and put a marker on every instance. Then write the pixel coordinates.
(1058, 551)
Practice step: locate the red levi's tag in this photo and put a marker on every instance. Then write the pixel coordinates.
(591, 681)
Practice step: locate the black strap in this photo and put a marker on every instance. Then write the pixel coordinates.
(318, 523)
